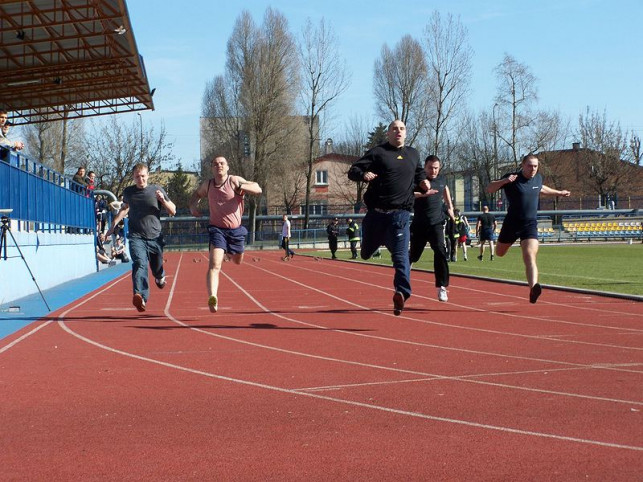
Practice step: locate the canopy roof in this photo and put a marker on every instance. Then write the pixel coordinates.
(69, 58)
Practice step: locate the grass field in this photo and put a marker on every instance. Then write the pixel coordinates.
(616, 268)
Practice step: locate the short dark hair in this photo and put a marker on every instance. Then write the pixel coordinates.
(431, 158)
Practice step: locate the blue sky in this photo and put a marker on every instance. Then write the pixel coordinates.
(583, 52)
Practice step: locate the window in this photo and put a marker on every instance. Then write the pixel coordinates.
(321, 177)
(320, 208)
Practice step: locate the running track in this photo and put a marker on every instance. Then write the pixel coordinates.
(305, 374)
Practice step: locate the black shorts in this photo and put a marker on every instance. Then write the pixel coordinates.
(513, 230)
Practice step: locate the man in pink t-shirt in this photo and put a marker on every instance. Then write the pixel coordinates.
(225, 194)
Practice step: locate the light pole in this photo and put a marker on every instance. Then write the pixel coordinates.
(495, 148)
(140, 118)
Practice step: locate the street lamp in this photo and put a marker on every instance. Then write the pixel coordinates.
(140, 118)
(495, 148)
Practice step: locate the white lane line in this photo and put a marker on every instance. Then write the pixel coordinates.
(317, 396)
(470, 328)
(25, 336)
(350, 402)
(520, 299)
(380, 367)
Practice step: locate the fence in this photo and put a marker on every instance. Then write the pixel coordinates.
(41, 198)
(191, 233)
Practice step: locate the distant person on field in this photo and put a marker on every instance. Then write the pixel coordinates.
(286, 234)
(143, 203)
(461, 227)
(352, 232)
(428, 224)
(225, 194)
(485, 231)
(522, 191)
(332, 230)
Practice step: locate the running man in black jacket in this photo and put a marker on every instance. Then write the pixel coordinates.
(392, 171)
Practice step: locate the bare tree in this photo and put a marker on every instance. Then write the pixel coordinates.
(449, 69)
(53, 143)
(262, 73)
(354, 143)
(475, 153)
(636, 156)
(400, 86)
(325, 78)
(114, 148)
(548, 131)
(516, 94)
(605, 147)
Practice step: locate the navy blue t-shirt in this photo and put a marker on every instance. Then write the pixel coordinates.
(430, 210)
(523, 195)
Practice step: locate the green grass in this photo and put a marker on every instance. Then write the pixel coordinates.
(616, 268)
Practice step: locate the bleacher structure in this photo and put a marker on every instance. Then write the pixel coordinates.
(604, 229)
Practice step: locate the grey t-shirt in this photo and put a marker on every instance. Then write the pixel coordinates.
(144, 211)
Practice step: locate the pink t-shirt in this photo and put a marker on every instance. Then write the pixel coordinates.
(226, 206)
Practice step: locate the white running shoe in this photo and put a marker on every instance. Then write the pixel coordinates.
(442, 294)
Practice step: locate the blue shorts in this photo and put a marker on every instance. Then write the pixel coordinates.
(232, 241)
(511, 231)
(487, 234)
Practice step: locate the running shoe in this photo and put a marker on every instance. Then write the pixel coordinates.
(534, 292)
(442, 294)
(480, 257)
(160, 282)
(398, 303)
(213, 304)
(139, 302)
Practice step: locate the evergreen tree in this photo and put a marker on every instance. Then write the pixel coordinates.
(376, 136)
(178, 189)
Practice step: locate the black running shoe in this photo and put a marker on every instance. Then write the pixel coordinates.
(398, 303)
(534, 293)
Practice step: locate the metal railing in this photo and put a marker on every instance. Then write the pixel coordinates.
(42, 198)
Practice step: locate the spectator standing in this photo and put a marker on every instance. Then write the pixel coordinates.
(91, 181)
(80, 179)
(286, 234)
(485, 231)
(451, 239)
(225, 194)
(5, 142)
(143, 203)
(461, 229)
(392, 171)
(522, 191)
(332, 230)
(352, 231)
(428, 224)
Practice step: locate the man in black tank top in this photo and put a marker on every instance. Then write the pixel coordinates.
(428, 224)
(522, 190)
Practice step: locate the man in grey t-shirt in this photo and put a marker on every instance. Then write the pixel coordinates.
(143, 203)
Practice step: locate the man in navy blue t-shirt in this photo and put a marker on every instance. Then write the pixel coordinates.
(522, 190)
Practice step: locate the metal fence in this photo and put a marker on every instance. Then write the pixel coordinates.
(41, 198)
(191, 233)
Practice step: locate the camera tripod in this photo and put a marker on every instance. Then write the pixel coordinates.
(4, 229)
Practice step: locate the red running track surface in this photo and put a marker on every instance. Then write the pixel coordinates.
(305, 374)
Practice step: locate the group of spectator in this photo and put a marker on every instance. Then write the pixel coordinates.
(87, 181)
(352, 233)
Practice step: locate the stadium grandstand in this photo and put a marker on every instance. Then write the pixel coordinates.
(59, 60)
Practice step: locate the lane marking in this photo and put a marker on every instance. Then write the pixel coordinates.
(380, 408)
